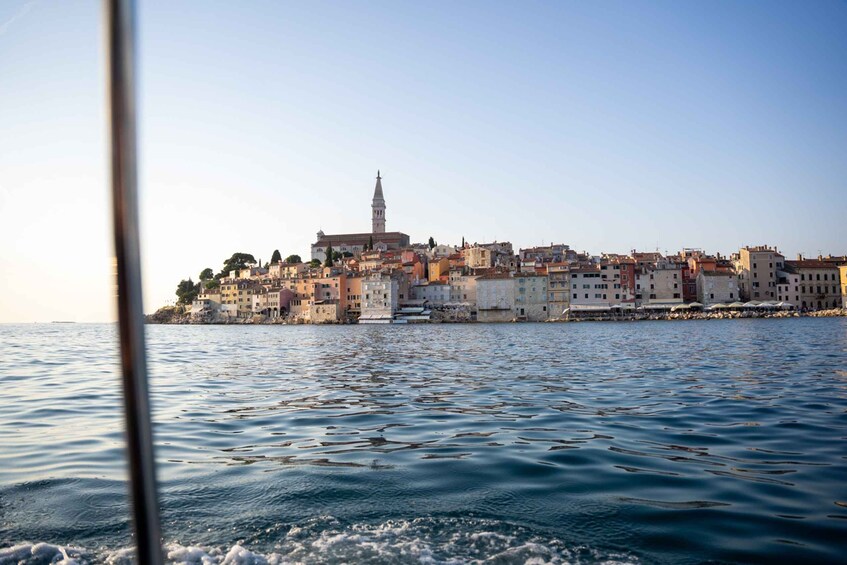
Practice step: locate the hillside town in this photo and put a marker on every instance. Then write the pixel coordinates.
(380, 277)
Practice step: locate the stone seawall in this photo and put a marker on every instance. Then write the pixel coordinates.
(175, 315)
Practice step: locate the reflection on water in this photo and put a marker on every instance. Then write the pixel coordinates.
(678, 442)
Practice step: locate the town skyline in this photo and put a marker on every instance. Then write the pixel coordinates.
(604, 126)
(380, 276)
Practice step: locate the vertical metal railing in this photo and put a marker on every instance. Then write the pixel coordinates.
(120, 52)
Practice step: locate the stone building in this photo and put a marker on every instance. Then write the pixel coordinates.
(757, 268)
(435, 293)
(716, 287)
(530, 291)
(495, 297)
(462, 286)
(478, 257)
(558, 289)
(810, 284)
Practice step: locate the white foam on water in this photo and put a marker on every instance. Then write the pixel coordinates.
(423, 540)
(38, 553)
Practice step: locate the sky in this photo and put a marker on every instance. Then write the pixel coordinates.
(608, 126)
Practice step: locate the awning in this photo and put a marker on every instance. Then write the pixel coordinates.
(589, 308)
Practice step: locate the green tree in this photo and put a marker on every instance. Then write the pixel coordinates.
(329, 256)
(214, 283)
(237, 261)
(347, 254)
(276, 257)
(370, 243)
(315, 263)
(431, 243)
(187, 291)
(207, 274)
(463, 242)
(293, 259)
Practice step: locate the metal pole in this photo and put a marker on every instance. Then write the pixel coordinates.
(120, 30)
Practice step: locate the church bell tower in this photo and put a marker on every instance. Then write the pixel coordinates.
(378, 208)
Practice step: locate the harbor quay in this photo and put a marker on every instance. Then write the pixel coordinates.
(382, 277)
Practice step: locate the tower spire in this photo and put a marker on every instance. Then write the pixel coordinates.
(378, 207)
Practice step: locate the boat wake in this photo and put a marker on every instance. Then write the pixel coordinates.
(423, 540)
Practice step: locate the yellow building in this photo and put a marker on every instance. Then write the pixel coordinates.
(842, 272)
(439, 270)
(239, 293)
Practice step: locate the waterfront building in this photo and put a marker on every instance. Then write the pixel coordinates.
(325, 312)
(353, 294)
(842, 269)
(588, 289)
(435, 294)
(756, 268)
(617, 275)
(238, 295)
(495, 297)
(664, 283)
(818, 286)
(381, 298)
(530, 292)
(558, 289)
(207, 303)
(716, 287)
(356, 243)
(788, 286)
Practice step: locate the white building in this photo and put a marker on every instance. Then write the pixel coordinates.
(380, 292)
(495, 297)
(434, 293)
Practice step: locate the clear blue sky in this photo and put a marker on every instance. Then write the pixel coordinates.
(604, 125)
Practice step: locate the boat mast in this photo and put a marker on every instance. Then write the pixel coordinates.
(120, 57)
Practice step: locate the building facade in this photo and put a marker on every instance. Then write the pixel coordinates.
(716, 287)
(757, 268)
(495, 298)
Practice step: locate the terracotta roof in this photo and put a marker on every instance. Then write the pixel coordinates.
(494, 276)
(393, 237)
(810, 264)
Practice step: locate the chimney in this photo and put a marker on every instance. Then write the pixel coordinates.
(799, 256)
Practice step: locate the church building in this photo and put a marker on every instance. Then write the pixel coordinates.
(355, 243)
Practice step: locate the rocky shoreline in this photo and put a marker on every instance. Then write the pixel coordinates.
(174, 315)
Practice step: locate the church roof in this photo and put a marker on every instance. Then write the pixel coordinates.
(391, 237)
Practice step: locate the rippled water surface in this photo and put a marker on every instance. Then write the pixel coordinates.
(669, 442)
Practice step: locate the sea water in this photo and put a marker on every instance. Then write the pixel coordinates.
(645, 442)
